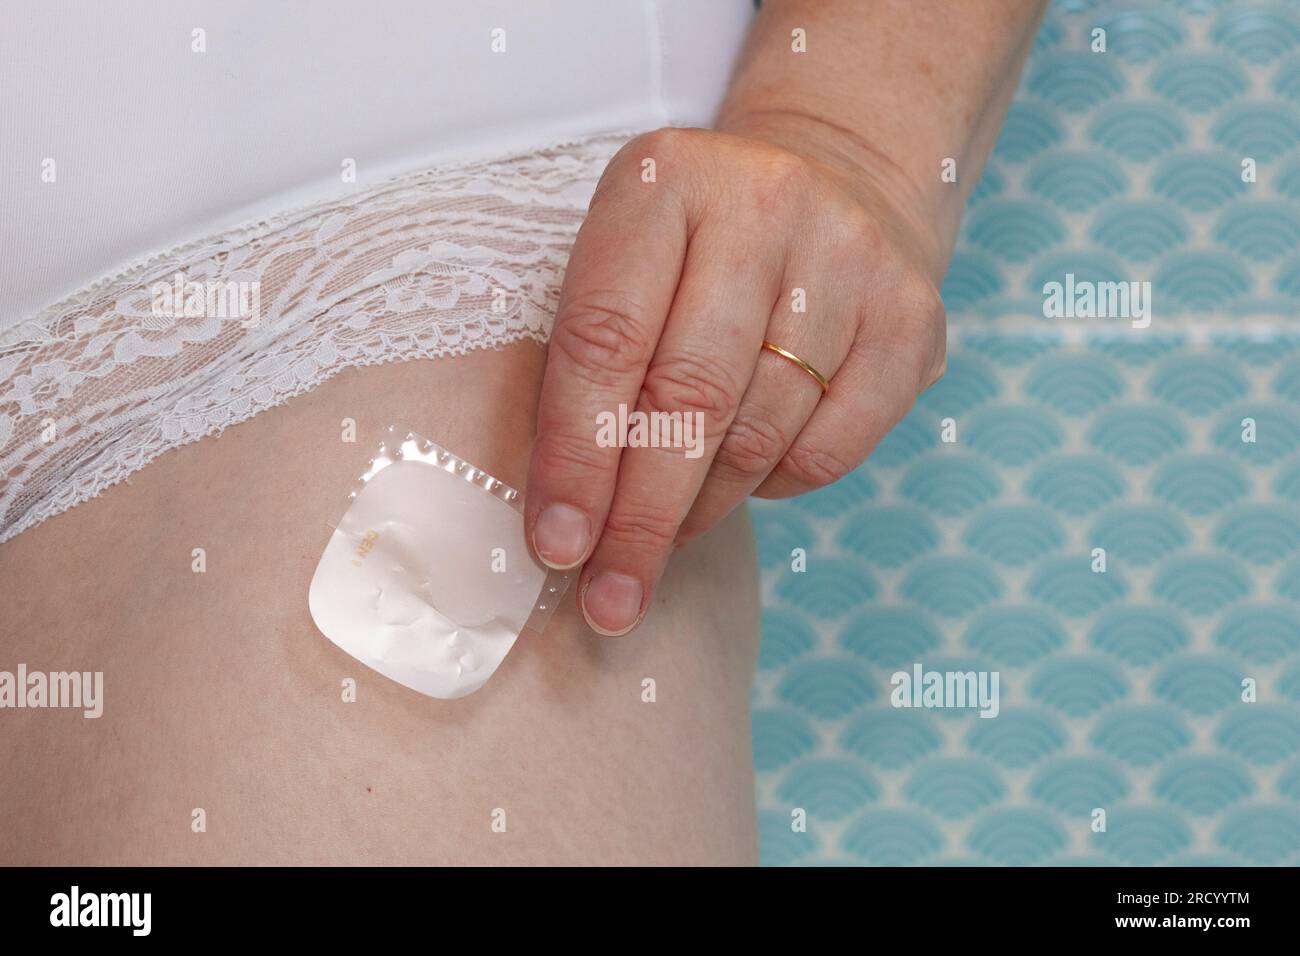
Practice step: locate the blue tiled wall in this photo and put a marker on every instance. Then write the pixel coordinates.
(1120, 690)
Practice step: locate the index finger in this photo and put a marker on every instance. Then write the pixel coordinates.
(621, 278)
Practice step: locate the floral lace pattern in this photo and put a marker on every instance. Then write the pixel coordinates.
(430, 264)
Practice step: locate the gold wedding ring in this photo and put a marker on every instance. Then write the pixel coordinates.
(790, 356)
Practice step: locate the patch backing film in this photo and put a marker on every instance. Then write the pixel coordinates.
(427, 577)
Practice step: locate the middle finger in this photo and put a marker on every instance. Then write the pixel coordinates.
(700, 369)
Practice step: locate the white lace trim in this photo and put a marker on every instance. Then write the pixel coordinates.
(430, 264)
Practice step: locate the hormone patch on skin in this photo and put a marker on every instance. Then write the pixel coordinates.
(428, 578)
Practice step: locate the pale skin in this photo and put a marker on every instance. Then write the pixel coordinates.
(821, 181)
(219, 693)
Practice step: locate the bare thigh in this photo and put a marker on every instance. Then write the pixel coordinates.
(221, 696)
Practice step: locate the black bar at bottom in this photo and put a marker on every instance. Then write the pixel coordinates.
(984, 905)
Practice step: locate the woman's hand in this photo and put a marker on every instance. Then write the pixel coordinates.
(698, 246)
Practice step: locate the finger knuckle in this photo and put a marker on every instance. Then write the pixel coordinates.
(562, 454)
(927, 331)
(752, 446)
(922, 300)
(779, 181)
(813, 467)
(895, 370)
(603, 334)
(665, 141)
(855, 236)
(673, 155)
(666, 147)
(688, 384)
(639, 527)
(912, 341)
(938, 365)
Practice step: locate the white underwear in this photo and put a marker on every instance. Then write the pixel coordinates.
(101, 384)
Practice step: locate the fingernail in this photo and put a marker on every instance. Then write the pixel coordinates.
(561, 536)
(612, 603)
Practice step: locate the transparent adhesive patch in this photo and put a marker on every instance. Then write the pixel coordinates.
(427, 577)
